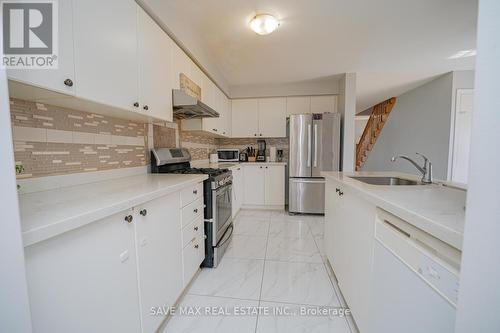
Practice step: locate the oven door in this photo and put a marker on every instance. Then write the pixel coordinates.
(222, 206)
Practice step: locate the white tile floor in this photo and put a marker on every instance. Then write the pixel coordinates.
(275, 261)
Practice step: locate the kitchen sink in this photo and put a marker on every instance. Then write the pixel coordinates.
(386, 181)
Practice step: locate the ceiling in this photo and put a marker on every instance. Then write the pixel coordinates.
(393, 45)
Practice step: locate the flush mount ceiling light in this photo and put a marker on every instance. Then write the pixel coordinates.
(264, 24)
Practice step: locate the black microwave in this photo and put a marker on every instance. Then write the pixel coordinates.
(228, 155)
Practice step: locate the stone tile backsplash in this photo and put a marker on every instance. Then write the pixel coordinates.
(50, 140)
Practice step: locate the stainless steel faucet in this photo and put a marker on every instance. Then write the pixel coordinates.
(426, 169)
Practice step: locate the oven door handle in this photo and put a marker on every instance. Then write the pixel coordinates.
(224, 241)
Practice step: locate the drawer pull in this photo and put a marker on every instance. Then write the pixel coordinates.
(143, 212)
(195, 210)
(195, 192)
(337, 190)
(196, 246)
(129, 218)
(195, 228)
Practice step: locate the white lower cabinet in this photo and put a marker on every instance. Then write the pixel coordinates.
(238, 190)
(85, 280)
(159, 262)
(264, 185)
(110, 275)
(349, 240)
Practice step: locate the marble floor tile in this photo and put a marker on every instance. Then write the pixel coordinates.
(289, 229)
(251, 226)
(317, 228)
(247, 247)
(237, 278)
(206, 321)
(300, 283)
(320, 243)
(255, 213)
(302, 249)
(304, 320)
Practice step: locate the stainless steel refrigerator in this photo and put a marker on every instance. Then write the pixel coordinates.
(314, 147)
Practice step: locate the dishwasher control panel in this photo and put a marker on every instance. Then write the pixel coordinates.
(439, 277)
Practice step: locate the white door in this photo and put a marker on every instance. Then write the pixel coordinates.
(105, 38)
(159, 256)
(254, 187)
(275, 185)
(55, 79)
(85, 280)
(323, 104)
(154, 68)
(245, 118)
(272, 117)
(461, 138)
(298, 105)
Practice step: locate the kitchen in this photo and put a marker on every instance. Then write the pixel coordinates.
(166, 183)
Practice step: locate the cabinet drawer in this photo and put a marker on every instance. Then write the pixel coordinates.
(192, 256)
(191, 193)
(192, 211)
(192, 231)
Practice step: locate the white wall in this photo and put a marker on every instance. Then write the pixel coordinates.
(14, 306)
(479, 294)
(419, 122)
(347, 108)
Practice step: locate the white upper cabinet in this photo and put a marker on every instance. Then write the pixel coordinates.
(272, 117)
(61, 79)
(298, 105)
(322, 104)
(180, 64)
(154, 69)
(105, 39)
(245, 118)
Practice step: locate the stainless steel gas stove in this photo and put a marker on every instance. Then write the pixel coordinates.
(217, 197)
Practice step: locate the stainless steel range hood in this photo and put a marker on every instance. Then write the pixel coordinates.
(189, 107)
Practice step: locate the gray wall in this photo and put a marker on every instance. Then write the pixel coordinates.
(419, 122)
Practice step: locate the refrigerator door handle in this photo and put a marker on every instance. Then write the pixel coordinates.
(315, 145)
(309, 146)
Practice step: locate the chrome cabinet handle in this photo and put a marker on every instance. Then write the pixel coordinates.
(341, 193)
(68, 82)
(129, 218)
(214, 129)
(143, 212)
(146, 107)
(337, 190)
(195, 192)
(136, 104)
(195, 228)
(196, 246)
(195, 210)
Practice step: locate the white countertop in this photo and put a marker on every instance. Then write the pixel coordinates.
(49, 213)
(436, 209)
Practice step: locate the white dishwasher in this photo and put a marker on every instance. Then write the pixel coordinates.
(415, 280)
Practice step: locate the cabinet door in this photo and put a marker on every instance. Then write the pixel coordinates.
(254, 187)
(238, 185)
(53, 79)
(298, 105)
(180, 64)
(106, 62)
(356, 237)
(272, 117)
(322, 104)
(245, 118)
(275, 185)
(332, 226)
(85, 280)
(154, 68)
(159, 256)
(216, 125)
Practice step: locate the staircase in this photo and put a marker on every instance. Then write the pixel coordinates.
(374, 126)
